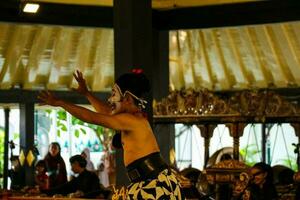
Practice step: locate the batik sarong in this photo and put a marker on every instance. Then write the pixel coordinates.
(166, 186)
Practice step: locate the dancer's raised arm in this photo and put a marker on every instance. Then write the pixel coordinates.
(99, 105)
(117, 122)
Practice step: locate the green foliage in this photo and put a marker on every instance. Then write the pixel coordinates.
(77, 133)
(250, 154)
(104, 135)
(62, 115)
(290, 162)
(61, 122)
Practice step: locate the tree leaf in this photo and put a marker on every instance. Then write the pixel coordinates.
(62, 115)
(77, 133)
(76, 121)
(63, 127)
(83, 131)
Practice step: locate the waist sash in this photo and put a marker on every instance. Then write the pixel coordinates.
(145, 168)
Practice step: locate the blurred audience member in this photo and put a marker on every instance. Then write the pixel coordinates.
(41, 178)
(56, 168)
(16, 175)
(85, 185)
(103, 175)
(260, 185)
(103, 172)
(191, 191)
(86, 154)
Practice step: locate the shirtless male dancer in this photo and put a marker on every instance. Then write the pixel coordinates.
(150, 176)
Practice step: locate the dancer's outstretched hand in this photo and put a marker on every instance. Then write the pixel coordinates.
(48, 98)
(82, 87)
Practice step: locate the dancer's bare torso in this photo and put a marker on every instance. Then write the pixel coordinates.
(138, 142)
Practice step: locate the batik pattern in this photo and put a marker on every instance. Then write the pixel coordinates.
(165, 186)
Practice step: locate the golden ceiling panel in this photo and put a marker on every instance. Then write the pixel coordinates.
(235, 58)
(36, 56)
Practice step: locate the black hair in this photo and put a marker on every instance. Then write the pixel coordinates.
(56, 144)
(41, 163)
(265, 168)
(136, 83)
(78, 158)
(285, 177)
(49, 156)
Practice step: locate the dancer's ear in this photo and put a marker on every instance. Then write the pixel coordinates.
(128, 98)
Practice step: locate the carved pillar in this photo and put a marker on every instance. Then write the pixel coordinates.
(263, 142)
(6, 137)
(297, 132)
(206, 131)
(236, 131)
(27, 140)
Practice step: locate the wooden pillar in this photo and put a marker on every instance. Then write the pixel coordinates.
(133, 49)
(6, 138)
(263, 142)
(133, 36)
(236, 131)
(206, 132)
(165, 133)
(27, 139)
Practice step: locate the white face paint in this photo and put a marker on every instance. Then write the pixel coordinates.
(115, 99)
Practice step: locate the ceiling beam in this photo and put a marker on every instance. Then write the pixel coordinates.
(27, 96)
(259, 12)
(58, 14)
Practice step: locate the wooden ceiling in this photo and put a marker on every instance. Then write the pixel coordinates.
(235, 58)
(156, 4)
(39, 57)
(214, 46)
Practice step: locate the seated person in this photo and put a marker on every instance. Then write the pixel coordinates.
(56, 168)
(85, 185)
(87, 155)
(260, 185)
(41, 178)
(16, 175)
(189, 188)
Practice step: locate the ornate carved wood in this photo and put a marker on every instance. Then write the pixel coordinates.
(236, 131)
(190, 106)
(206, 132)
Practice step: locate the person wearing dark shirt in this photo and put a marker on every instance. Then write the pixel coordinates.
(85, 185)
(16, 174)
(56, 168)
(260, 185)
